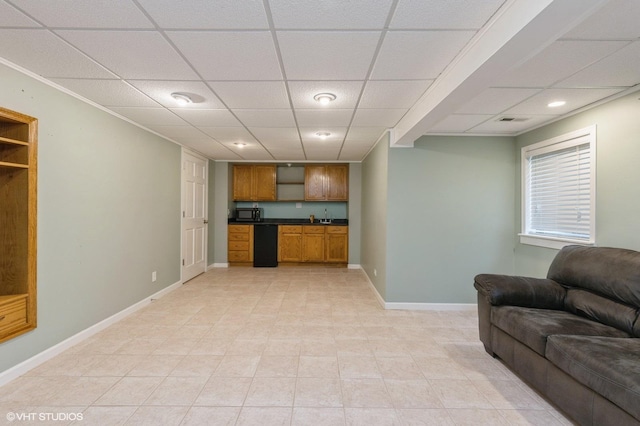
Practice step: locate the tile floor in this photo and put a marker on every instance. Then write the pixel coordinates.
(281, 346)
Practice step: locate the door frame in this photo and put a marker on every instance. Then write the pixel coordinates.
(182, 208)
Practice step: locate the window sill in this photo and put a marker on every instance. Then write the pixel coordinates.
(550, 242)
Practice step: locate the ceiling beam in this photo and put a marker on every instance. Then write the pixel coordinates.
(518, 31)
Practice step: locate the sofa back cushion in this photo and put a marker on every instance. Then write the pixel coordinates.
(611, 272)
(601, 309)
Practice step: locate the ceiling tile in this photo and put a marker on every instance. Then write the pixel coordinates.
(330, 14)
(616, 20)
(393, 94)
(355, 152)
(275, 135)
(208, 117)
(288, 154)
(378, 117)
(438, 14)
(494, 101)
(140, 55)
(265, 117)
(107, 92)
(347, 93)
(43, 53)
(253, 152)
(207, 14)
(398, 59)
(86, 14)
(323, 150)
(511, 127)
(179, 133)
(11, 17)
(226, 55)
(621, 69)
(252, 94)
(150, 116)
(556, 62)
(160, 91)
(309, 135)
(281, 146)
(229, 135)
(459, 123)
(575, 98)
(364, 134)
(211, 148)
(324, 117)
(322, 55)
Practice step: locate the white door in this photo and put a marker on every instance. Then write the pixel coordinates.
(194, 215)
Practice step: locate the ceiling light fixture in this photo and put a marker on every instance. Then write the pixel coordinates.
(556, 104)
(324, 98)
(323, 135)
(182, 98)
(240, 144)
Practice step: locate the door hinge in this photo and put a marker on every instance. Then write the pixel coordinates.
(182, 262)
(183, 213)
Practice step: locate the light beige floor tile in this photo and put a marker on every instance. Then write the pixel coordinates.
(426, 417)
(283, 347)
(237, 366)
(318, 348)
(474, 417)
(155, 366)
(358, 367)
(459, 394)
(277, 366)
(130, 391)
(153, 416)
(440, 368)
(211, 416)
(272, 416)
(107, 416)
(224, 392)
(389, 348)
(354, 347)
(365, 393)
(209, 346)
(270, 392)
(177, 391)
(197, 365)
(305, 416)
(531, 417)
(399, 368)
(371, 416)
(247, 347)
(113, 365)
(318, 392)
(175, 346)
(507, 395)
(139, 346)
(412, 394)
(318, 366)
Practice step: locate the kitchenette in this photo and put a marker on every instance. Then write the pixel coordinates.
(289, 214)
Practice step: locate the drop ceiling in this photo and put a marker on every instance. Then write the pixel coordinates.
(252, 67)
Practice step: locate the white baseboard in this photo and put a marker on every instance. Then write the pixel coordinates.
(419, 306)
(354, 266)
(29, 364)
(219, 265)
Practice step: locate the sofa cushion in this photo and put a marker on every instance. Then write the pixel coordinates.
(601, 309)
(609, 366)
(611, 272)
(532, 326)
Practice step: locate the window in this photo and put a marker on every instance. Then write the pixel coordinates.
(558, 190)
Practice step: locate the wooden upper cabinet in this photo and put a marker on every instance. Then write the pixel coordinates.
(254, 182)
(18, 180)
(326, 182)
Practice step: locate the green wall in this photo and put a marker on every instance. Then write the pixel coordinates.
(108, 213)
(450, 217)
(617, 178)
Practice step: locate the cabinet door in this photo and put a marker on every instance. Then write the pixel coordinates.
(264, 182)
(313, 247)
(314, 183)
(242, 182)
(289, 244)
(337, 244)
(337, 182)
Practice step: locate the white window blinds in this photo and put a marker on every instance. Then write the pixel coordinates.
(558, 188)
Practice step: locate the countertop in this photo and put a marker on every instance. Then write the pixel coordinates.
(334, 222)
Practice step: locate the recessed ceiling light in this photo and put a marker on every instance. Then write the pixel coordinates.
(240, 144)
(323, 135)
(182, 98)
(324, 98)
(556, 104)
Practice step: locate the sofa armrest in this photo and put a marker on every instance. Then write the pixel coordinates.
(520, 291)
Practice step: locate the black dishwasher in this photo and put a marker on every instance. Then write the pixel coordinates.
(265, 245)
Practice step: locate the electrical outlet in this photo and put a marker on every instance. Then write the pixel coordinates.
(255, 204)
(154, 276)
(298, 205)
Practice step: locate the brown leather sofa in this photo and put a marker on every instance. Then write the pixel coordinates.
(574, 335)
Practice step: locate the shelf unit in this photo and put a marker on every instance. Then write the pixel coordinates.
(18, 194)
(290, 183)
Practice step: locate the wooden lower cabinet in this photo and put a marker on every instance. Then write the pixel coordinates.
(240, 244)
(313, 244)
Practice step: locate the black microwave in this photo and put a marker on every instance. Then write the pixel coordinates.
(249, 214)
